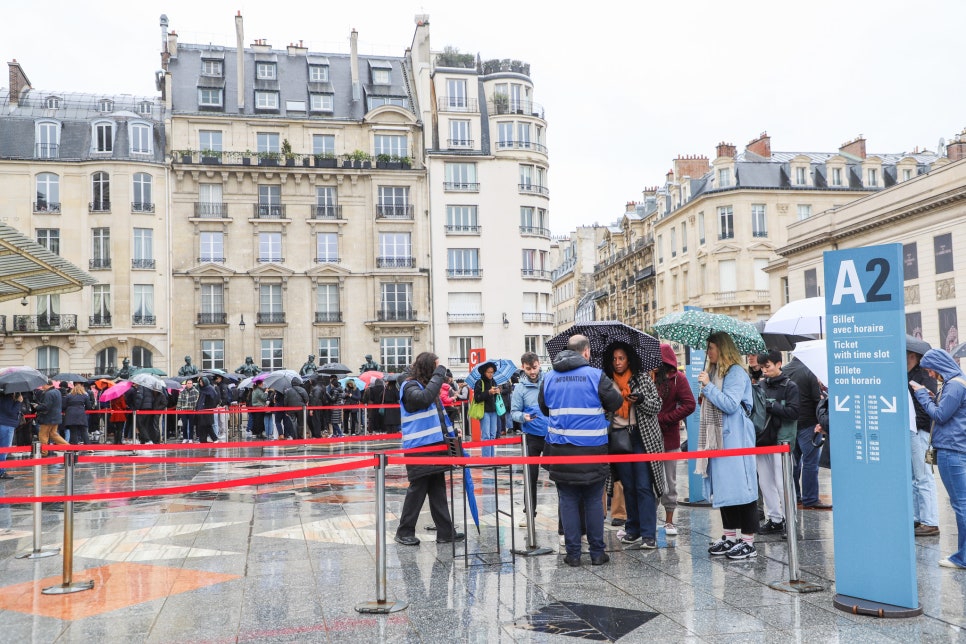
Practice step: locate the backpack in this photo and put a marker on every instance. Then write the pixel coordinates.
(765, 432)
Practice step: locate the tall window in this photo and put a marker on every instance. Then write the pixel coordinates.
(724, 178)
(270, 247)
(684, 237)
(759, 224)
(272, 354)
(523, 134)
(873, 175)
(462, 219)
(212, 248)
(660, 249)
(327, 307)
(395, 250)
(456, 92)
(394, 202)
(328, 350)
(100, 192)
(209, 140)
(534, 262)
(143, 304)
(101, 306)
(48, 360)
(210, 202)
(143, 248)
(269, 201)
(213, 303)
(100, 248)
(701, 237)
(804, 211)
(267, 142)
(143, 201)
(48, 193)
(801, 175)
(49, 238)
(533, 220)
(270, 302)
(836, 176)
(394, 144)
(727, 276)
(461, 176)
(48, 140)
(141, 357)
(140, 138)
(48, 311)
(396, 353)
(459, 133)
(674, 242)
(505, 134)
(327, 247)
(761, 277)
(323, 144)
(397, 301)
(103, 137)
(463, 262)
(105, 361)
(526, 177)
(213, 354)
(326, 202)
(726, 222)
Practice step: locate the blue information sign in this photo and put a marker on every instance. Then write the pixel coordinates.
(695, 481)
(875, 557)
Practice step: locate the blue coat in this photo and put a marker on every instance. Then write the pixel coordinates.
(949, 416)
(732, 480)
(526, 400)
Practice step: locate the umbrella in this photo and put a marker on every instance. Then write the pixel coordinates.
(279, 380)
(70, 377)
(917, 345)
(603, 334)
(103, 383)
(21, 379)
(504, 371)
(813, 354)
(172, 385)
(692, 328)
(334, 367)
(368, 376)
(360, 383)
(959, 351)
(800, 316)
(116, 391)
(248, 383)
(230, 377)
(780, 341)
(149, 381)
(152, 371)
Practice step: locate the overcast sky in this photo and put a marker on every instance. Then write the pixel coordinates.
(626, 86)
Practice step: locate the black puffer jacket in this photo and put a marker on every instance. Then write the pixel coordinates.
(417, 399)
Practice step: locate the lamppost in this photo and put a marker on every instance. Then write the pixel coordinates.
(241, 329)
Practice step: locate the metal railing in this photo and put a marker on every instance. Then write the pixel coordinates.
(464, 318)
(271, 260)
(391, 211)
(459, 143)
(99, 263)
(327, 212)
(49, 207)
(505, 105)
(389, 315)
(43, 323)
(538, 317)
(141, 206)
(143, 320)
(322, 317)
(99, 206)
(521, 145)
(457, 273)
(534, 273)
(532, 188)
(209, 210)
(461, 186)
(142, 263)
(269, 318)
(535, 230)
(395, 262)
(269, 211)
(46, 150)
(466, 229)
(759, 233)
(328, 260)
(457, 104)
(214, 260)
(212, 318)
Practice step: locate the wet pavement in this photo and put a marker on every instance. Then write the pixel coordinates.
(289, 561)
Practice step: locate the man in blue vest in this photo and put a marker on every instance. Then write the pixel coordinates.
(575, 396)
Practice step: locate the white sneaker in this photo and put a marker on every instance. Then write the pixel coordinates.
(621, 533)
(185, 440)
(670, 529)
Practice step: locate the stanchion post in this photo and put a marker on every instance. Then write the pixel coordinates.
(381, 605)
(794, 584)
(68, 585)
(134, 427)
(305, 422)
(38, 552)
(531, 550)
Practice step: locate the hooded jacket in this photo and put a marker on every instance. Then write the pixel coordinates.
(949, 410)
(49, 407)
(677, 400)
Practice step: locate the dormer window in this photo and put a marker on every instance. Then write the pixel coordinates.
(724, 177)
(212, 68)
(801, 176)
(319, 73)
(103, 137)
(140, 134)
(873, 176)
(380, 76)
(265, 71)
(145, 107)
(106, 105)
(836, 176)
(52, 102)
(266, 100)
(321, 102)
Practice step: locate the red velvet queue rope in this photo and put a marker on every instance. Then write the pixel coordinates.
(187, 489)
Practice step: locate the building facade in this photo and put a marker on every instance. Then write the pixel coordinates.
(573, 278)
(84, 175)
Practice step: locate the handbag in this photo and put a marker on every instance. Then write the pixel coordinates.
(499, 405)
(476, 410)
(619, 440)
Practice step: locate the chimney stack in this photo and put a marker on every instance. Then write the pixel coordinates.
(855, 147)
(760, 146)
(172, 44)
(240, 61)
(692, 165)
(354, 64)
(727, 150)
(19, 82)
(956, 149)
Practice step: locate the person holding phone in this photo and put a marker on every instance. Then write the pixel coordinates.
(486, 391)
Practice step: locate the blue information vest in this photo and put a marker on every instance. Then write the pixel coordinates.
(576, 416)
(422, 427)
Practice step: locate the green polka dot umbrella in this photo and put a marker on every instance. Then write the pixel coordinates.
(692, 328)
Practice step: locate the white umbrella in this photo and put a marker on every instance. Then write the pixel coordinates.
(149, 381)
(799, 317)
(813, 355)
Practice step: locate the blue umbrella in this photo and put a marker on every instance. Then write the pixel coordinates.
(504, 371)
(360, 383)
(468, 487)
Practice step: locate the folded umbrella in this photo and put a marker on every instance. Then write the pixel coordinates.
(504, 370)
(693, 328)
(21, 379)
(602, 334)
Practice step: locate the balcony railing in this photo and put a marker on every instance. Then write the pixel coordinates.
(473, 229)
(461, 186)
(759, 233)
(269, 211)
(521, 145)
(213, 260)
(271, 259)
(46, 150)
(49, 371)
(141, 206)
(392, 315)
(504, 105)
(212, 318)
(390, 211)
(327, 212)
(328, 260)
(457, 104)
(44, 323)
(535, 273)
(207, 210)
(456, 362)
(101, 320)
(532, 188)
(464, 273)
(47, 207)
(535, 230)
(545, 318)
(269, 318)
(395, 262)
(143, 320)
(99, 206)
(459, 144)
(464, 318)
(725, 296)
(100, 263)
(323, 317)
(143, 263)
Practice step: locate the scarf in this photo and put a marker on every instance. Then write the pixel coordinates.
(710, 425)
(623, 382)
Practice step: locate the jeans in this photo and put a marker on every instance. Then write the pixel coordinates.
(572, 497)
(269, 425)
(535, 447)
(488, 430)
(925, 507)
(806, 466)
(6, 440)
(638, 483)
(952, 469)
(187, 425)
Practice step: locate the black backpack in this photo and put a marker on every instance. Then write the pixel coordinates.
(765, 431)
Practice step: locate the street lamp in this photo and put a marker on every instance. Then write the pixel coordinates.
(241, 324)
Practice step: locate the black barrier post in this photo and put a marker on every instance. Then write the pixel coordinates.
(38, 551)
(381, 605)
(531, 550)
(68, 585)
(794, 584)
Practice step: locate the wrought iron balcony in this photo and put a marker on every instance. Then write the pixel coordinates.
(99, 206)
(207, 210)
(271, 259)
(49, 371)
(100, 320)
(328, 260)
(142, 207)
(535, 273)
(46, 150)
(461, 186)
(44, 323)
(212, 318)
(532, 188)
(214, 260)
(393, 315)
(269, 211)
(392, 211)
(464, 318)
(269, 318)
(473, 229)
(505, 105)
(457, 104)
(759, 233)
(521, 145)
(459, 144)
(464, 273)
(543, 318)
(143, 320)
(535, 230)
(100, 263)
(47, 207)
(323, 317)
(143, 263)
(327, 212)
(395, 262)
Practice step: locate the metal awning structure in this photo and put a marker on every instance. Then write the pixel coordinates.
(27, 268)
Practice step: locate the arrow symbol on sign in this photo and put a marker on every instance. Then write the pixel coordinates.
(840, 404)
(890, 408)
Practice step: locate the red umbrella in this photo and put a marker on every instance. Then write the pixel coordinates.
(368, 376)
(116, 391)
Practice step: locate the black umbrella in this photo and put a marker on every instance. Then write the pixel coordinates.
(959, 351)
(917, 345)
(780, 341)
(230, 377)
(21, 379)
(336, 368)
(604, 333)
(70, 377)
